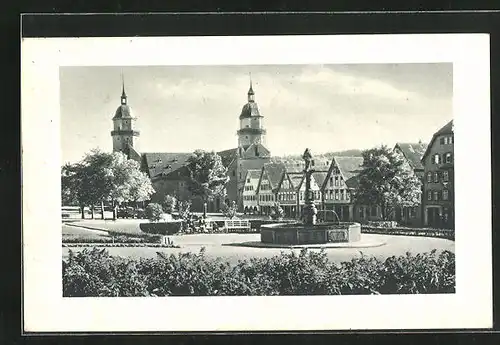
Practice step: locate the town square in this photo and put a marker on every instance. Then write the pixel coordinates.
(322, 196)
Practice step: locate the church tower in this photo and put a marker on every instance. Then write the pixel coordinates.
(124, 135)
(251, 127)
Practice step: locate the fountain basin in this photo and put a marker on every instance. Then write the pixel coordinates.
(298, 233)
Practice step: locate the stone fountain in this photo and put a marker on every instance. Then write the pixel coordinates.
(310, 232)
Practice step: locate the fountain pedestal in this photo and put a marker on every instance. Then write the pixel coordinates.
(309, 232)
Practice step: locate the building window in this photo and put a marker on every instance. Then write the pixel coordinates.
(448, 157)
(445, 176)
(336, 181)
(234, 172)
(429, 195)
(336, 195)
(436, 195)
(445, 194)
(442, 140)
(436, 177)
(450, 140)
(326, 196)
(437, 159)
(429, 177)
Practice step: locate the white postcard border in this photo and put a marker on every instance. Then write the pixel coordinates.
(45, 310)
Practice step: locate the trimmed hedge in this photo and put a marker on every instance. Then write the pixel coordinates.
(162, 228)
(129, 245)
(426, 232)
(96, 273)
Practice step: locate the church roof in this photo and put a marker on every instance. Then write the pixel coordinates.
(350, 167)
(228, 156)
(123, 112)
(254, 173)
(413, 153)
(163, 163)
(249, 110)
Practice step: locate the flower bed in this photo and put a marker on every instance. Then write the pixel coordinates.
(94, 273)
(426, 232)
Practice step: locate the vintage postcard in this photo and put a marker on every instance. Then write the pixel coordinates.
(179, 184)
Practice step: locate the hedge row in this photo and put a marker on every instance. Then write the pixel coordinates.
(67, 238)
(96, 273)
(426, 232)
(95, 245)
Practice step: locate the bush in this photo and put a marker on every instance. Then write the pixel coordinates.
(162, 228)
(154, 212)
(95, 273)
(169, 204)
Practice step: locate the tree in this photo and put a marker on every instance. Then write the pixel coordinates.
(387, 181)
(207, 175)
(154, 212)
(102, 176)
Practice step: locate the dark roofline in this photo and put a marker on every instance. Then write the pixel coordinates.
(439, 132)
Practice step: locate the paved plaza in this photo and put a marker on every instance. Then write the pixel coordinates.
(228, 246)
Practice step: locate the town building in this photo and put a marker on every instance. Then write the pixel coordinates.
(438, 199)
(250, 202)
(168, 171)
(270, 178)
(338, 186)
(412, 154)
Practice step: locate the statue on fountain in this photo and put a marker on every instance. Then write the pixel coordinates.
(310, 210)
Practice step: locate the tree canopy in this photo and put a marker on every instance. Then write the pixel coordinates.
(103, 176)
(387, 181)
(207, 175)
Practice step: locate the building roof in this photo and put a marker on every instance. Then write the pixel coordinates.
(413, 153)
(296, 179)
(249, 110)
(320, 177)
(274, 172)
(123, 112)
(228, 156)
(350, 167)
(164, 163)
(446, 129)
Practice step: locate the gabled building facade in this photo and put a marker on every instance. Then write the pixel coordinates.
(412, 154)
(438, 199)
(270, 178)
(250, 202)
(338, 187)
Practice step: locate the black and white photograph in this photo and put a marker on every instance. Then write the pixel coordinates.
(257, 180)
(306, 178)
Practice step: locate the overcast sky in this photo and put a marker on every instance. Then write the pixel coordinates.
(323, 107)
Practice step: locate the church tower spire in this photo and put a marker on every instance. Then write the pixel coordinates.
(124, 95)
(251, 127)
(251, 94)
(124, 133)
